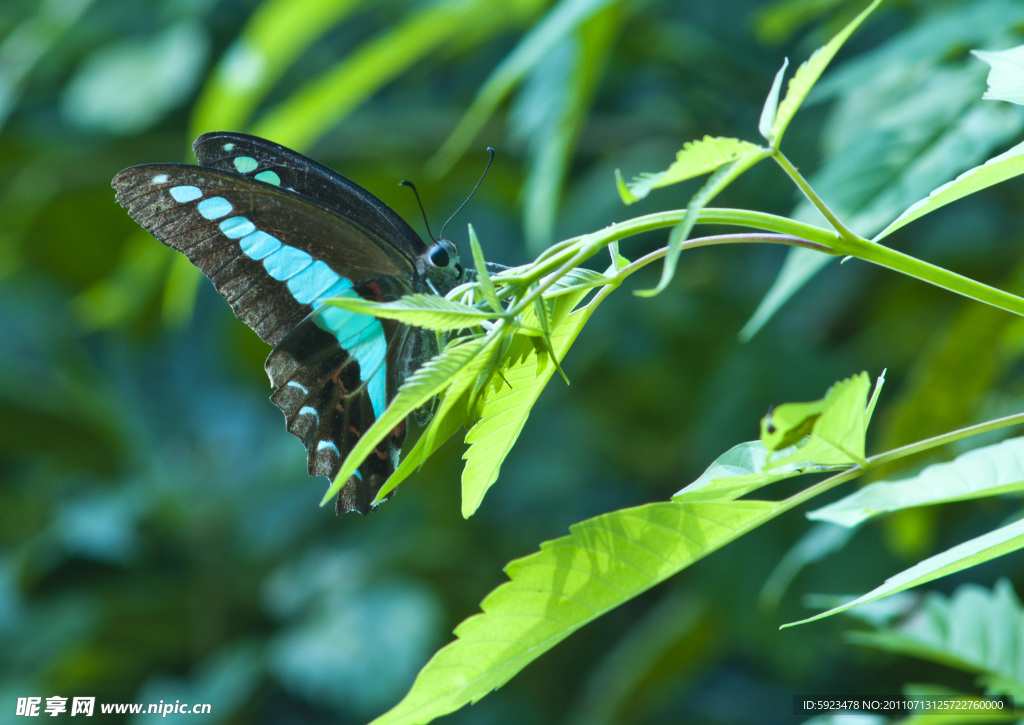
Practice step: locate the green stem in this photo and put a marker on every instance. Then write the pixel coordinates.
(580, 248)
(857, 246)
(574, 252)
(932, 274)
(811, 194)
(902, 452)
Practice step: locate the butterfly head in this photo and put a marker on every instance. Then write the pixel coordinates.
(443, 269)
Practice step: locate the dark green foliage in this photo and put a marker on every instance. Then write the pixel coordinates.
(159, 538)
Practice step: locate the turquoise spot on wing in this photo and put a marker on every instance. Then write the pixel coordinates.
(370, 350)
(335, 290)
(237, 226)
(376, 386)
(347, 327)
(269, 177)
(286, 262)
(312, 282)
(245, 164)
(181, 194)
(214, 207)
(160, 179)
(259, 244)
(228, 146)
(329, 446)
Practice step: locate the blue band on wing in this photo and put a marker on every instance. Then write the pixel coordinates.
(310, 282)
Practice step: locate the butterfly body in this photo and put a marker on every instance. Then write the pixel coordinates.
(279, 236)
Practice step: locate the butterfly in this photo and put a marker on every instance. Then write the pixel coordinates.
(279, 235)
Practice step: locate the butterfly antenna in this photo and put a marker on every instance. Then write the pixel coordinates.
(422, 210)
(489, 161)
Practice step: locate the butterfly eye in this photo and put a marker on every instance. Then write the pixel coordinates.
(439, 256)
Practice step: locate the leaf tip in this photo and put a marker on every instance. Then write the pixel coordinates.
(625, 194)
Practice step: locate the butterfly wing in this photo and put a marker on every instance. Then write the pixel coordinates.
(263, 160)
(277, 256)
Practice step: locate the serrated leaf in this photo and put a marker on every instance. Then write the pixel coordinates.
(430, 312)
(1001, 541)
(429, 380)
(483, 277)
(449, 415)
(997, 169)
(836, 424)
(771, 103)
(576, 281)
(737, 472)
(440, 429)
(696, 158)
(976, 630)
(714, 185)
(468, 386)
(1006, 74)
(604, 562)
(789, 424)
(808, 74)
(506, 409)
(988, 471)
(886, 148)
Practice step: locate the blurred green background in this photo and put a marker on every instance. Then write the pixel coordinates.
(159, 538)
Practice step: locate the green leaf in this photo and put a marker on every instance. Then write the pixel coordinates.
(679, 234)
(875, 395)
(789, 424)
(1006, 77)
(558, 24)
(604, 562)
(577, 281)
(276, 34)
(317, 105)
(429, 380)
(428, 311)
(886, 148)
(988, 471)
(696, 158)
(976, 630)
(551, 112)
(441, 427)
(836, 424)
(506, 410)
(737, 472)
(623, 188)
(483, 277)
(771, 103)
(997, 169)
(986, 547)
(464, 390)
(808, 74)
